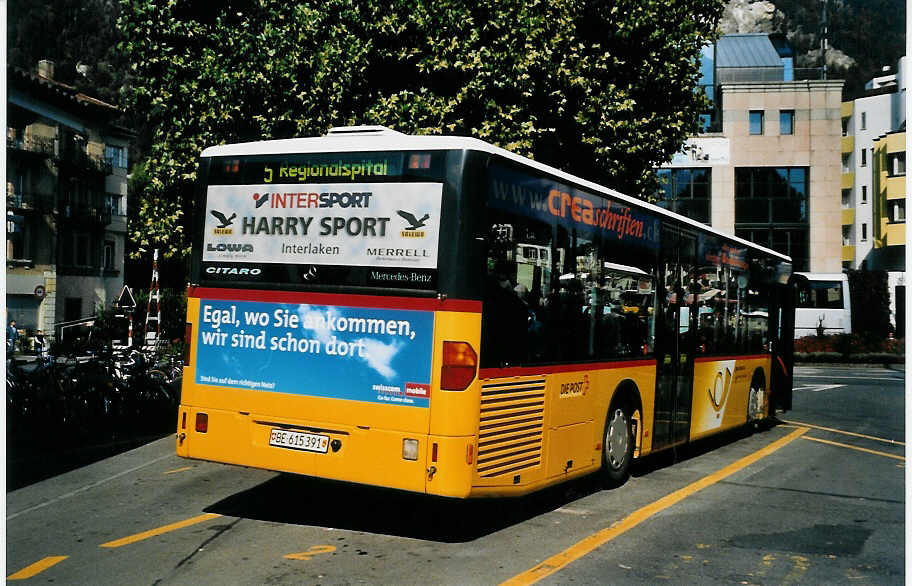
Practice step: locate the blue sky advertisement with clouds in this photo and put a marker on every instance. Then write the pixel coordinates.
(361, 354)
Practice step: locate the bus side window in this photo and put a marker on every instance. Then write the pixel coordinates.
(517, 280)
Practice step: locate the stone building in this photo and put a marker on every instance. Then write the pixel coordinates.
(66, 170)
(767, 166)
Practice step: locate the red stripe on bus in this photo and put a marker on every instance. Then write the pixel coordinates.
(484, 373)
(738, 357)
(782, 365)
(343, 299)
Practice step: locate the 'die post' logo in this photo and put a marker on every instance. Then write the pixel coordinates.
(223, 229)
(575, 388)
(412, 230)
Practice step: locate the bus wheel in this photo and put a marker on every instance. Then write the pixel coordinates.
(617, 448)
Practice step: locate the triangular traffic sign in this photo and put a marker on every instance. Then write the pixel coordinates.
(125, 299)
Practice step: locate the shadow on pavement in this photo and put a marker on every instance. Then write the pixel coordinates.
(303, 500)
(30, 463)
(309, 501)
(687, 451)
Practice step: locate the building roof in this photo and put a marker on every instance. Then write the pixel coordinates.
(59, 93)
(747, 50)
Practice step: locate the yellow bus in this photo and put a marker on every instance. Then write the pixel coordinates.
(373, 307)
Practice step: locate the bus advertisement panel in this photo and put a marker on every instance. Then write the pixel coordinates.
(550, 201)
(370, 355)
(393, 228)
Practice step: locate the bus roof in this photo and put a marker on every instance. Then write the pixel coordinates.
(824, 276)
(380, 138)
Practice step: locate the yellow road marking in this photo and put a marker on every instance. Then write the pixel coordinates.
(153, 532)
(799, 569)
(851, 433)
(885, 454)
(37, 567)
(580, 549)
(314, 550)
(184, 469)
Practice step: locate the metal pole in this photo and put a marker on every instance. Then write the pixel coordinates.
(824, 38)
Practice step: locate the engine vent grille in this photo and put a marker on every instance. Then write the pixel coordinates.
(511, 427)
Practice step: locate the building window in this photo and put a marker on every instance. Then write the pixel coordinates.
(771, 209)
(845, 164)
(15, 237)
(786, 122)
(791, 241)
(771, 194)
(864, 157)
(114, 204)
(864, 120)
(756, 121)
(846, 198)
(845, 127)
(847, 236)
(116, 156)
(896, 164)
(81, 250)
(897, 211)
(72, 308)
(864, 232)
(108, 255)
(864, 194)
(686, 192)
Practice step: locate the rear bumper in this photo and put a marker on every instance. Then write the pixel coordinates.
(364, 455)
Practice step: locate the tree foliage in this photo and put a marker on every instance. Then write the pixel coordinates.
(870, 297)
(600, 89)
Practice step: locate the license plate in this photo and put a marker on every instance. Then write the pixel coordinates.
(296, 440)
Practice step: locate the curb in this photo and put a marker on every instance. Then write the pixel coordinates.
(899, 367)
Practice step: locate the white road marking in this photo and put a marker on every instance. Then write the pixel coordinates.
(85, 488)
(818, 388)
(837, 376)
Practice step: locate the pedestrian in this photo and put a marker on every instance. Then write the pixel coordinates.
(40, 343)
(11, 335)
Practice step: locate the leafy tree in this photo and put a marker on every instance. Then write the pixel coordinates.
(870, 296)
(604, 90)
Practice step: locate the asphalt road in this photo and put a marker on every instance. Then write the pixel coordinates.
(816, 499)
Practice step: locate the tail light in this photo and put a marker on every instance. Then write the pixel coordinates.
(459, 365)
(202, 422)
(188, 335)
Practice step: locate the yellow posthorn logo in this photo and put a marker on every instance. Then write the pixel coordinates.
(719, 393)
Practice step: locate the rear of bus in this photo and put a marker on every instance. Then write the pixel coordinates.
(329, 310)
(823, 304)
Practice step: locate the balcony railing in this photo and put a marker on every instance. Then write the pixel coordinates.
(807, 73)
(83, 213)
(31, 144)
(83, 160)
(42, 202)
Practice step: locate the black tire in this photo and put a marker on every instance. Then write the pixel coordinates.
(618, 442)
